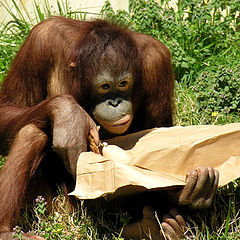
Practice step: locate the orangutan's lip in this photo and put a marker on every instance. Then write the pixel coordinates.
(122, 121)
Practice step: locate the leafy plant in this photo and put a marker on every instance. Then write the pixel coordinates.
(9, 44)
(58, 224)
(194, 30)
(218, 91)
(64, 223)
(18, 233)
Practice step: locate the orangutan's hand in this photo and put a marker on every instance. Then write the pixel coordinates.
(201, 185)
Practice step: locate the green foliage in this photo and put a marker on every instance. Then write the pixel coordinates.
(58, 224)
(218, 91)
(63, 9)
(221, 221)
(22, 20)
(9, 44)
(63, 223)
(18, 233)
(194, 30)
(46, 226)
(19, 24)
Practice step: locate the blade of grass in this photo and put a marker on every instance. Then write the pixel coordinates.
(60, 8)
(228, 218)
(38, 12)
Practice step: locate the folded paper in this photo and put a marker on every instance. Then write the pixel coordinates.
(158, 158)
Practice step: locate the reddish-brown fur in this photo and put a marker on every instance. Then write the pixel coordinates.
(55, 67)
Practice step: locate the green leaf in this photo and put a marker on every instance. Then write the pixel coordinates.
(184, 65)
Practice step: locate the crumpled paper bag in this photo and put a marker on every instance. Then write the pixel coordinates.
(159, 158)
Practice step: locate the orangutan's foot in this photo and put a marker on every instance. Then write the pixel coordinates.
(149, 226)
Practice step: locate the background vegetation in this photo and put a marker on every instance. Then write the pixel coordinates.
(204, 40)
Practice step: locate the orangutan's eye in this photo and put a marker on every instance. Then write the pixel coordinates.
(124, 85)
(104, 88)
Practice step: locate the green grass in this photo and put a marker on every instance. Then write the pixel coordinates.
(188, 113)
(213, 42)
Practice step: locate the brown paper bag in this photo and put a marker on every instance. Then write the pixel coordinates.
(159, 158)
